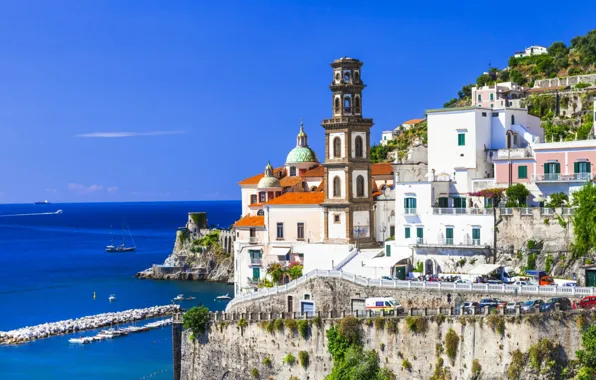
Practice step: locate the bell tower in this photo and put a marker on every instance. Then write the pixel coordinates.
(348, 204)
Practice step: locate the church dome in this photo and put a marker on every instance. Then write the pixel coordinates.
(301, 153)
(268, 181)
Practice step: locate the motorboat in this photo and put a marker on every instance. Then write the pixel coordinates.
(58, 212)
(224, 297)
(78, 340)
(46, 202)
(190, 298)
(179, 297)
(112, 297)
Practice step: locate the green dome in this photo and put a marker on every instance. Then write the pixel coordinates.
(301, 154)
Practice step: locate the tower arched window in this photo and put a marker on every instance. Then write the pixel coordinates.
(336, 187)
(337, 147)
(357, 104)
(292, 171)
(260, 212)
(360, 186)
(347, 104)
(337, 105)
(358, 146)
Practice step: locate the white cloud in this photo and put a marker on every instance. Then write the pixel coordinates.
(82, 189)
(128, 134)
(112, 189)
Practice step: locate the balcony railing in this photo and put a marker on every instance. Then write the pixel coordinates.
(555, 177)
(547, 211)
(475, 241)
(567, 211)
(525, 211)
(253, 240)
(506, 211)
(462, 211)
(253, 280)
(256, 262)
(419, 240)
(449, 241)
(410, 211)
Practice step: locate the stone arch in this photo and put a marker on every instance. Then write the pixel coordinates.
(337, 105)
(336, 186)
(336, 147)
(360, 186)
(358, 147)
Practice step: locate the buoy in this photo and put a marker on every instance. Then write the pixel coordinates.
(94, 295)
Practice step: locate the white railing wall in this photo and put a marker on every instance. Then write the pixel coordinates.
(545, 291)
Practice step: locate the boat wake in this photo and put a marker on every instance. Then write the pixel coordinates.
(57, 212)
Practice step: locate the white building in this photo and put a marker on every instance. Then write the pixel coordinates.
(390, 135)
(532, 50)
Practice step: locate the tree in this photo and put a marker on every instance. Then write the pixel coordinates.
(450, 103)
(557, 200)
(584, 220)
(517, 77)
(587, 356)
(518, 193)
(378, 153)
(558, 49)
(482, 80)
(196, 319)
(504, 75)
(495, 194)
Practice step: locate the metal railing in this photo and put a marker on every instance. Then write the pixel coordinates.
(546, 291)
(448, 241)
(253, 240)
(525, 211)
(567, 211)
(547, 211)
(553, 177)
(475, 241)
(506, 211)
(256, 262)
(419, 240)
(461, 211)
(410, 211)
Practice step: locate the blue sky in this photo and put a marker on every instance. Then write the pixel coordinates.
(179, 100)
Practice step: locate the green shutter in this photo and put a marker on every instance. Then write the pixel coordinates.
(476, 233)
(576, 167)
(413, 203)
(405, 202)
(522, 172)
(256, 273)
(558, 168)
(461, 139)
(588, 167)
(407, 232)
(419, 232)
(443, 202)
(449, 233)
(388, 250)
(546, 166)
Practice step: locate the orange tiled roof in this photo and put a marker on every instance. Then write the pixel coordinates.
(321, 185)
(256, 178)
(377, 193)
(382, 168)
(299, 198)
(317, 171)
(413, 121)
(251, 221)
(290, 181)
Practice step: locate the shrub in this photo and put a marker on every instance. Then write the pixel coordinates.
(438, 349)
(548, 263)
(303, 328)
(303, 356)
(476, 368)
(267, 361)
(417, 325)
(255, 373)
(349, 327)
(419, 267)
(516, 366)
(318, 322)
(587, 355)
(451, 343)
(242, 323)
(290, 359)
(517, 193)
(269, 327)
(497, 323)
(581, 85)
(539, 351)
(278, 324)
(405, 364)
(581, 321)
(382, 346)
(196, 319)
(391, 326)
(379, 323)
(440, 319)
(291, 325)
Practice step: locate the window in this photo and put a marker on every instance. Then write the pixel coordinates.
(357, 104)
(479, 97)
(336, 218)
(300, 232)
(407, 233)
(358, 146)
(495, 114)
(360, 186)
(459, 202)
(492, 105)
(337, 105)
(443, 202)
(515, 139)
(337, 147)
(410, 205)
(492, 97)
(262, 196)
(256, 274)
(277, 193)
(336, 187)
(347, 104)
(253, 199)
(552, 171)
(419, 234)
(449, 235)
(512, 119)
(388, 250)
(581, 167)
(461, 139)
(280, 230)
(391, 230)
(260, 212)
(522, 171)
(476, 236)
(307, 296)
(484, 114)
(253, 232)
(292, 171)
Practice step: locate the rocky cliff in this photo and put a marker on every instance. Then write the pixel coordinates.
(197, 255)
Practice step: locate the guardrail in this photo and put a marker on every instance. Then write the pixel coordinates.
(545, 291)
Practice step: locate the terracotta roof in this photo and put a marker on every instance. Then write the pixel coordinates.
(321, 185)
(256, 178)
(413, 121)
(544, 89)
(299, 198)
(377, 193)
(290, 181)
(383, 168)
(317, 171)
(251, 221)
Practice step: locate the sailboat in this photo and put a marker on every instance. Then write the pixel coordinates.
(123, 247)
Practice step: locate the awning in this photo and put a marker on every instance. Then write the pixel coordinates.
(279, 251)
(484, 269)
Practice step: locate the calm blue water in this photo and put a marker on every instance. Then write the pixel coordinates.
(50, 265)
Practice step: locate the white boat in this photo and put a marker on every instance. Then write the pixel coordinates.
(224, 297)
(123, 247)
(112, 297)
(78, 340)
(179, 297)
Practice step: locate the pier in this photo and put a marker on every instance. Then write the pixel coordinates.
(45, 330)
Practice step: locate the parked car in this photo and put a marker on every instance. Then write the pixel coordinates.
(588, 302)
(501, 305)
(572, 284)
(463, 281)
(468, 307)
(511, 306)
(494, 282)
(388, 278)
(521, 283)
(491, 303)
(531, 304)
(388, 305)
(564, 304)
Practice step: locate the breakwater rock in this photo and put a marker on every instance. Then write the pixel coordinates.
(30, 333)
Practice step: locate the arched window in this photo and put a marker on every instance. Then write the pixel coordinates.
(337, 105)
(358, 146)
(337, 147)
(347, 104)
(260, 212)
(360, 186)
(292, 171)
(336, 187)
(357, 104)
(356, 76)
(512, 119)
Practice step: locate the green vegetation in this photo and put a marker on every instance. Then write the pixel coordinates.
(255, 373)
(401, 144)
(539, 351)
(277, 273)
(581, 321)
(531, 263)
(318, 322)
(518, 194)
(495, 195)
(208, 240)
(391, 326)
(451, 343)
(278, 324)
(303, 356)
(406, 365)
(587, 356)
(548, 263)
(516, 366)
(496, 323)
(584, 223)
(303, 328)
(417, 325)
(196, 319)
(476, 369)
(441, 372)
(419, 267)
(379, 323)
(267, 361)
(291, 325)
(290, 359)
(557, 200)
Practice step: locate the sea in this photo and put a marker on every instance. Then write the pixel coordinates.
(51, 264)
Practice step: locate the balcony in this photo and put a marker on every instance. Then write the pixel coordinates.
(410, 211)
(462, 211)
(256, 262)
(441, 242)
(253, 240)
(557, 177)
(475, 241)
(419, 240)
(517, 153)
(449, 241)
(547, 211)
(253, 281)
(567, 211)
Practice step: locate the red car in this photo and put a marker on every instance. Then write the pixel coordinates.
(588, 302)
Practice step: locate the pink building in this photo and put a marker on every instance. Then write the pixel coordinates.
(498, 95)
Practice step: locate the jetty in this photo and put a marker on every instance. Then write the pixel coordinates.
(45, 330)
(111, 333)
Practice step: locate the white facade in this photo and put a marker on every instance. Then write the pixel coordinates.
(342, 181)
(332, 137)
(337, 225)
(386, 136)
(532, 50)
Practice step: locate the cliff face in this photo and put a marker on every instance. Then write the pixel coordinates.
(197, 255)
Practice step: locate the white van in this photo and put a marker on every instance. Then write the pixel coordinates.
(387, 304)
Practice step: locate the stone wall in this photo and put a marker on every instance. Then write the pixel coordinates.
(231, 352)
(338, 295)
(565, 81)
